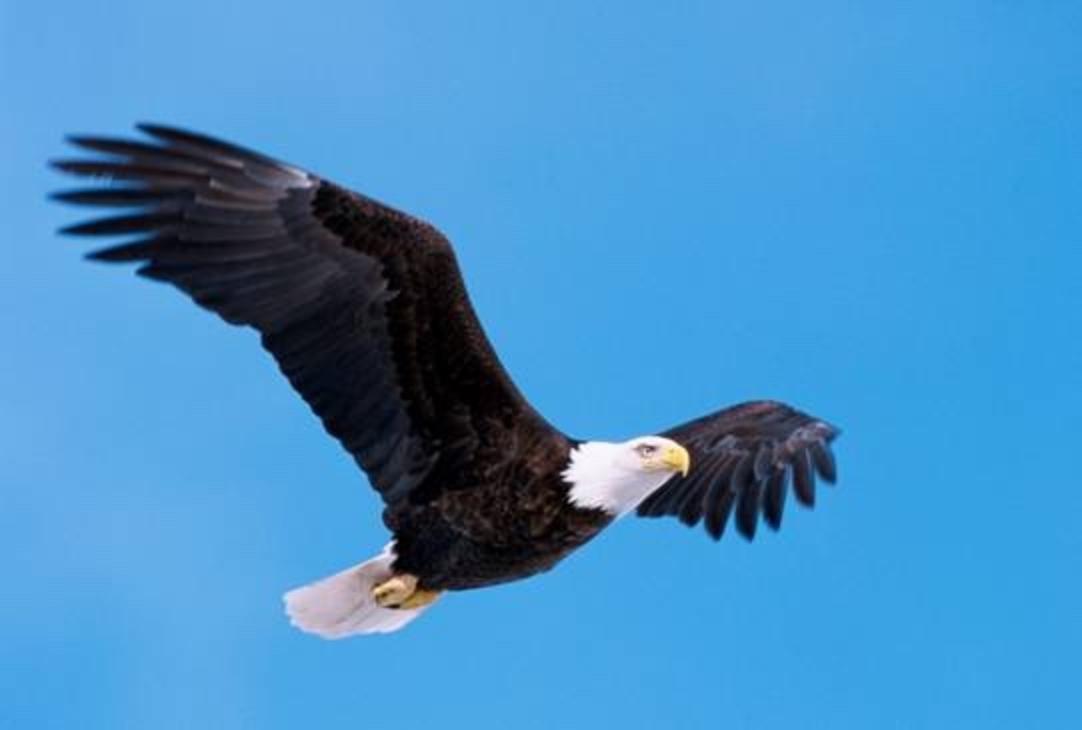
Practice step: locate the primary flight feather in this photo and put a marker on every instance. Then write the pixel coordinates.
(365, 311)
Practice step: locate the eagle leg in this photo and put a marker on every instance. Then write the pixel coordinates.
(421, 597)
(401, 591)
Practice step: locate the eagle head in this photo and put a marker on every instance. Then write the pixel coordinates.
(657, 453)
(615, 477)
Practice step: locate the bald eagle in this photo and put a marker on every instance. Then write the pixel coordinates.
(364, 309)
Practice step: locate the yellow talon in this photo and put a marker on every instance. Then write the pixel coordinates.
(401, 591)
(393, 591)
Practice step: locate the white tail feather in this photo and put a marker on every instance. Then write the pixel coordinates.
(342, 605)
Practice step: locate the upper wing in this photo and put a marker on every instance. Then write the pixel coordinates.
(363, 306)
(744, 455)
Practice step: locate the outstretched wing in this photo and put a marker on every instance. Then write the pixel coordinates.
(744, 457)
(363, 306)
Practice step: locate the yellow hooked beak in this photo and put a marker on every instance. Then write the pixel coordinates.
(677, 458)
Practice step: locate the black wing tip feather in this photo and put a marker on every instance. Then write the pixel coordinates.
(96, 142)
(163, 138)
(153, 178)
(111, 197)
(119, 225)
(73, 197)
(160, 130)
(68, 166)
(120, 254)
(811, 461)
(173, 135)
(777, 449)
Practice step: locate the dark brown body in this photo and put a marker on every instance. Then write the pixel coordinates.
(491, 533)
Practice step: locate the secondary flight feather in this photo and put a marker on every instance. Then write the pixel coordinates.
(365, 311)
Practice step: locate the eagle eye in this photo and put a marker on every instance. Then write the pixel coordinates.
(646, 450)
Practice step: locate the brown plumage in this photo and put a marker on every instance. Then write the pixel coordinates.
(365, 311)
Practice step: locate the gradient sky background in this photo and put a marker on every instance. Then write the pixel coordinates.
(868, 209)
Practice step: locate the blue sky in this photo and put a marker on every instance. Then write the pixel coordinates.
(867, 209)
